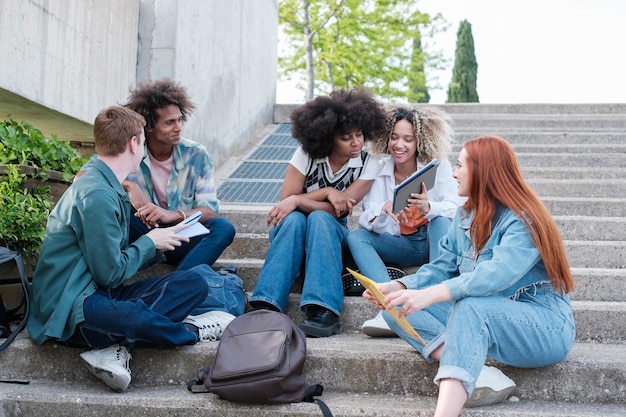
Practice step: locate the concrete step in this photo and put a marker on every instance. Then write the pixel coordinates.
(579, 188)
(494, 123)
(520, 137)
(73, 400)
(581, 222)
(565, 159)
(476, 110)
(559, 148)
(574, 173)
(587, 254)
(599, 300)
(345, 363)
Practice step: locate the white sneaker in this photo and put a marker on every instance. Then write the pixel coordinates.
(377, 327)
(210, 325)
(111, 365)
(492, 387)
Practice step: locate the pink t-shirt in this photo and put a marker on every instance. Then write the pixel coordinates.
(160, 172)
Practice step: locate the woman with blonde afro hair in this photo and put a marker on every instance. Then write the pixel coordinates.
(413, 137)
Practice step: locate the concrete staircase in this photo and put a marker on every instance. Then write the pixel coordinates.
(575, 158)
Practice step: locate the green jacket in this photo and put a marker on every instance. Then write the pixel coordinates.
(86, 247)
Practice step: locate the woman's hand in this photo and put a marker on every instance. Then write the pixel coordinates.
(341, 202)
(420, 200)
(281, 210)
(414, 300)
(385, 288)
(388, 208)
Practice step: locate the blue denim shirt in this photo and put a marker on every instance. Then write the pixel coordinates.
(508, 264)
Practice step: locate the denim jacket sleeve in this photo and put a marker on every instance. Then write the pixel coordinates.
(508, 261)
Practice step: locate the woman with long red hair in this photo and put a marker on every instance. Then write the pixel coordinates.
(498, 288)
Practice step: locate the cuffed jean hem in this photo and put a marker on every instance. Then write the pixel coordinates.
(265, 300)
(317, 303)
(460, 374)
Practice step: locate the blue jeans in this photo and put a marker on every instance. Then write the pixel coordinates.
(149, 313)
(316, 239)
(372, 251)
(200, 249)
(534, 329)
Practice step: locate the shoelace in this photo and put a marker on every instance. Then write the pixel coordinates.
(123, 356)
(210, 332)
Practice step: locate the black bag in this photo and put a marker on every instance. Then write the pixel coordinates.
(7, 255)
(260, 360)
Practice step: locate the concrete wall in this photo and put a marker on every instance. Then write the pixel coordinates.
(224, 52)
(72, 56)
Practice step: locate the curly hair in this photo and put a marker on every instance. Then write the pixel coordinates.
(431, 127)
(148, 97)
(315, 123)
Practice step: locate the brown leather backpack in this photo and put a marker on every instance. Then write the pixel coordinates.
(260, 359)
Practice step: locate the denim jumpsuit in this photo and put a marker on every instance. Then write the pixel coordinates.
(503, 304)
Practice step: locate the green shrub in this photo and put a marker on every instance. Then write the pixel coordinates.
(22, 144)
(24, 207)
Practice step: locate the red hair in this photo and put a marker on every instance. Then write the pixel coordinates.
(495, 176)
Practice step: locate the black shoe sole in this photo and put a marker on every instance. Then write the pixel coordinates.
(315, 331)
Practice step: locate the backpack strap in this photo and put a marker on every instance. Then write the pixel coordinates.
(316, 391)
(8, 255)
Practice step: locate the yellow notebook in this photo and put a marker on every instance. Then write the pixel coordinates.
(371, 285)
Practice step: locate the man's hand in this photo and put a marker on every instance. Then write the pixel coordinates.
(166, 239)
(153, 215)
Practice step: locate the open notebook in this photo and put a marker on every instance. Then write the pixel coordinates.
(195, 227)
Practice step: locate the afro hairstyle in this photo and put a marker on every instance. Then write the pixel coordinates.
(315, 123)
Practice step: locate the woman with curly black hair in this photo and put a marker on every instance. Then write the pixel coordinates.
(328, 174)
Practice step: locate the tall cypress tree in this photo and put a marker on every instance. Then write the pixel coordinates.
(418, 91)
(462, 88)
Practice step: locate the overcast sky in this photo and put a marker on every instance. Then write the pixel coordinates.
(534, 51)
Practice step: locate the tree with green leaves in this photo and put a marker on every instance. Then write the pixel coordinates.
(354, 43)
(462, 88)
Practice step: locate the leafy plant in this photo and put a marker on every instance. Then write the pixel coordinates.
(22, 144)
(24, 205)
(23, 213)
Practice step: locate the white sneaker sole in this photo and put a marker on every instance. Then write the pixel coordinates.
(375, 331)
(483, 396)
(116, 382)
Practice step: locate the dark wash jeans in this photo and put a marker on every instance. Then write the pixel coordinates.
(149, 313)
(200, 249)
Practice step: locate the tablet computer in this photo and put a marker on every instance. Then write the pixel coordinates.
(413, 184)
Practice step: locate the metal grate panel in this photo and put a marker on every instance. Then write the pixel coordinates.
(280, 140)
(259, 178)
(272, 153)
(249, 192)
(260, 170)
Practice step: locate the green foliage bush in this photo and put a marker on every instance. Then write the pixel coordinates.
(24, 207)
(22, 144)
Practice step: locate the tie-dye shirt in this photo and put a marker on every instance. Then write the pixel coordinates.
(191, 182)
